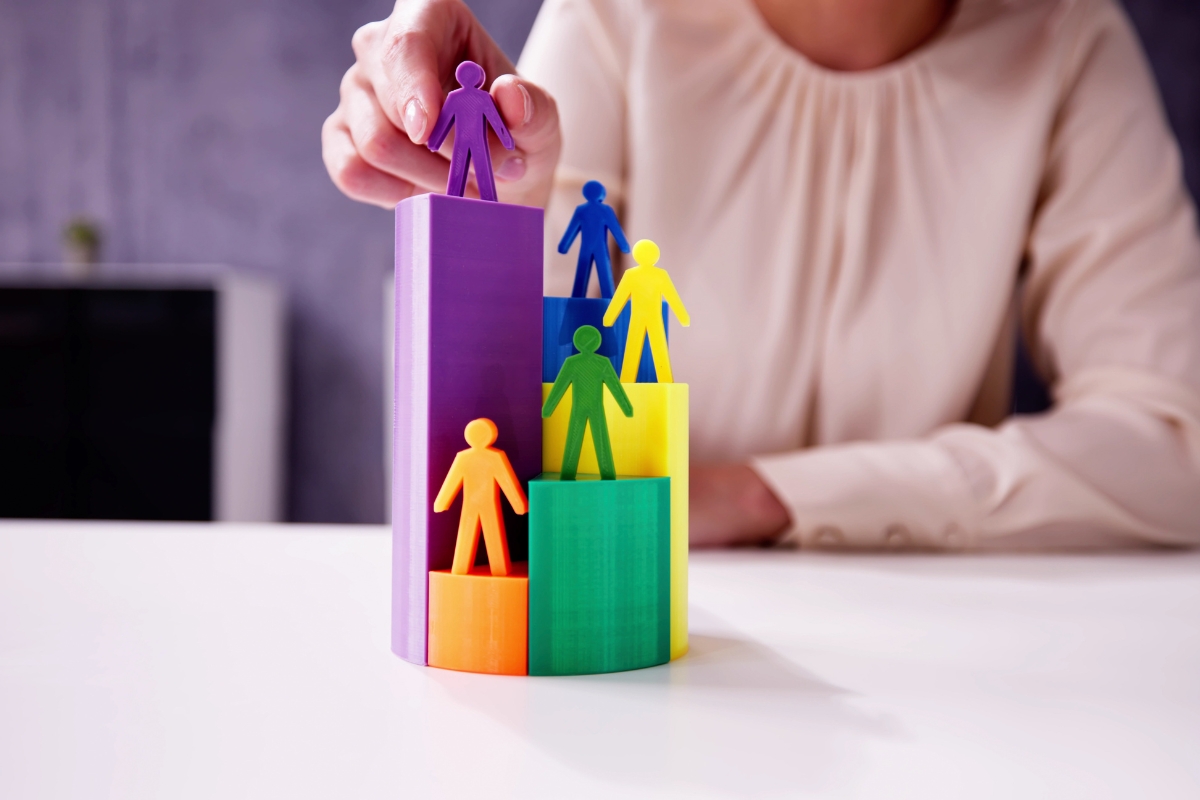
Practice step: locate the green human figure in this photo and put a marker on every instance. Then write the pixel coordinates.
(587, 374)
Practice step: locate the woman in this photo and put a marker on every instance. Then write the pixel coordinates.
(859, 202)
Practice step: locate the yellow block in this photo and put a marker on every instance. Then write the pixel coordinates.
(653, 443)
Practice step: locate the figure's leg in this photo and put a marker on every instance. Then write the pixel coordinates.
(575, 430)
(633, 350)
(468, 540)
(495, 541)
(460, 160)
(604, 273)
(483, 171)
(604, 455)
(658, 349)
(583, 269)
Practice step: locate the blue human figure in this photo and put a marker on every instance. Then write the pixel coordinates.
(470, 110)
(592, 222)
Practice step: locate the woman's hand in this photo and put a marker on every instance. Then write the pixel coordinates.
(731, 505)
(374, 142)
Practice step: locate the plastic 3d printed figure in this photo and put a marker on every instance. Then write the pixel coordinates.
(481, 471)
(644, 287)
(587, 374)
(469, 110)
(592, 222)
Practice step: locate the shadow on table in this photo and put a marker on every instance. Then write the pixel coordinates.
(724, 662)
(732, 717)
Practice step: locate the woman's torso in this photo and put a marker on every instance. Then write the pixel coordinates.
(848, 244)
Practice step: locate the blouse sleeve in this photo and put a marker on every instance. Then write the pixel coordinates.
(574, 53)
(1112, 305)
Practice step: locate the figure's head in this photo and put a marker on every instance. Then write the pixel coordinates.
(594, 191)
(645, 253)
(481, 433)
(586, 339)
(469, 74)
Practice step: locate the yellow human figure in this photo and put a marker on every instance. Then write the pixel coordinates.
(645, 287)
(481, 471)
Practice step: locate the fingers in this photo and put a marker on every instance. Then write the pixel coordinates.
(353, 175)
(412, 58)
(381, 144)
(406, 80)
(393, 94)
(400, 65)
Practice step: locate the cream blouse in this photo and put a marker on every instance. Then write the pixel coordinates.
(856, 250)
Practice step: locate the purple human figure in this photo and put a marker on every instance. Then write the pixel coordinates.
(470, 110)
(592, 222)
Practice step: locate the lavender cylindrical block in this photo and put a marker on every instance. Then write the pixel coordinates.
(468, 345)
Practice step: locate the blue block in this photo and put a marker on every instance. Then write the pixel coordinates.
(562, 316)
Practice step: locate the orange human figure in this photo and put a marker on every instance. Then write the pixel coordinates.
(481, 471)
(644, 287)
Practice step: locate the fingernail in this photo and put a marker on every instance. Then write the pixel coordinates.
(511, 170)
(414, 120)
(528, 104)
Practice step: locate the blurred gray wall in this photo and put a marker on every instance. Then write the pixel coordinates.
(191, 130)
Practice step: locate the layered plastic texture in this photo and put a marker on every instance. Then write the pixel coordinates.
(599, 574)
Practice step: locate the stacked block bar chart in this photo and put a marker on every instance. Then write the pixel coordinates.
(574, 473)
(468, 345)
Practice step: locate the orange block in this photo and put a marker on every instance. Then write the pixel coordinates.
(479, 622)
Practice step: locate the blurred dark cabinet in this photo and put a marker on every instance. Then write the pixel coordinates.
(146, 402)
(107, 403)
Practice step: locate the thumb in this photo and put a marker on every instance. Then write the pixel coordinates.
(531, 116)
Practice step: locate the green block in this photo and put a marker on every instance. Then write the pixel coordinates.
(599, 574)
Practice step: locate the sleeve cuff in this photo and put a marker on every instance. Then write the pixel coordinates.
(886, 496)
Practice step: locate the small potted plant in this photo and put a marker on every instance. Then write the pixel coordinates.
(81, 243)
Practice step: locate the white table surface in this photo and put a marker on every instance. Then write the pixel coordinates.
(192, 661)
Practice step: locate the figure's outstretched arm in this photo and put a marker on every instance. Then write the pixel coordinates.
(674, 301)
(572, 231)
(450, 486)
(618, 391)
(614, 227)
(618, 302)
(441, 128)
(509, 484)
(493, 116)
(556, 392)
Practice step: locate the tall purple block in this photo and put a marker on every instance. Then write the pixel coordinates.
(468, 345)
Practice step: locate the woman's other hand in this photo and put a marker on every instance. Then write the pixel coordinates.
(374, 142)
(730, 505)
